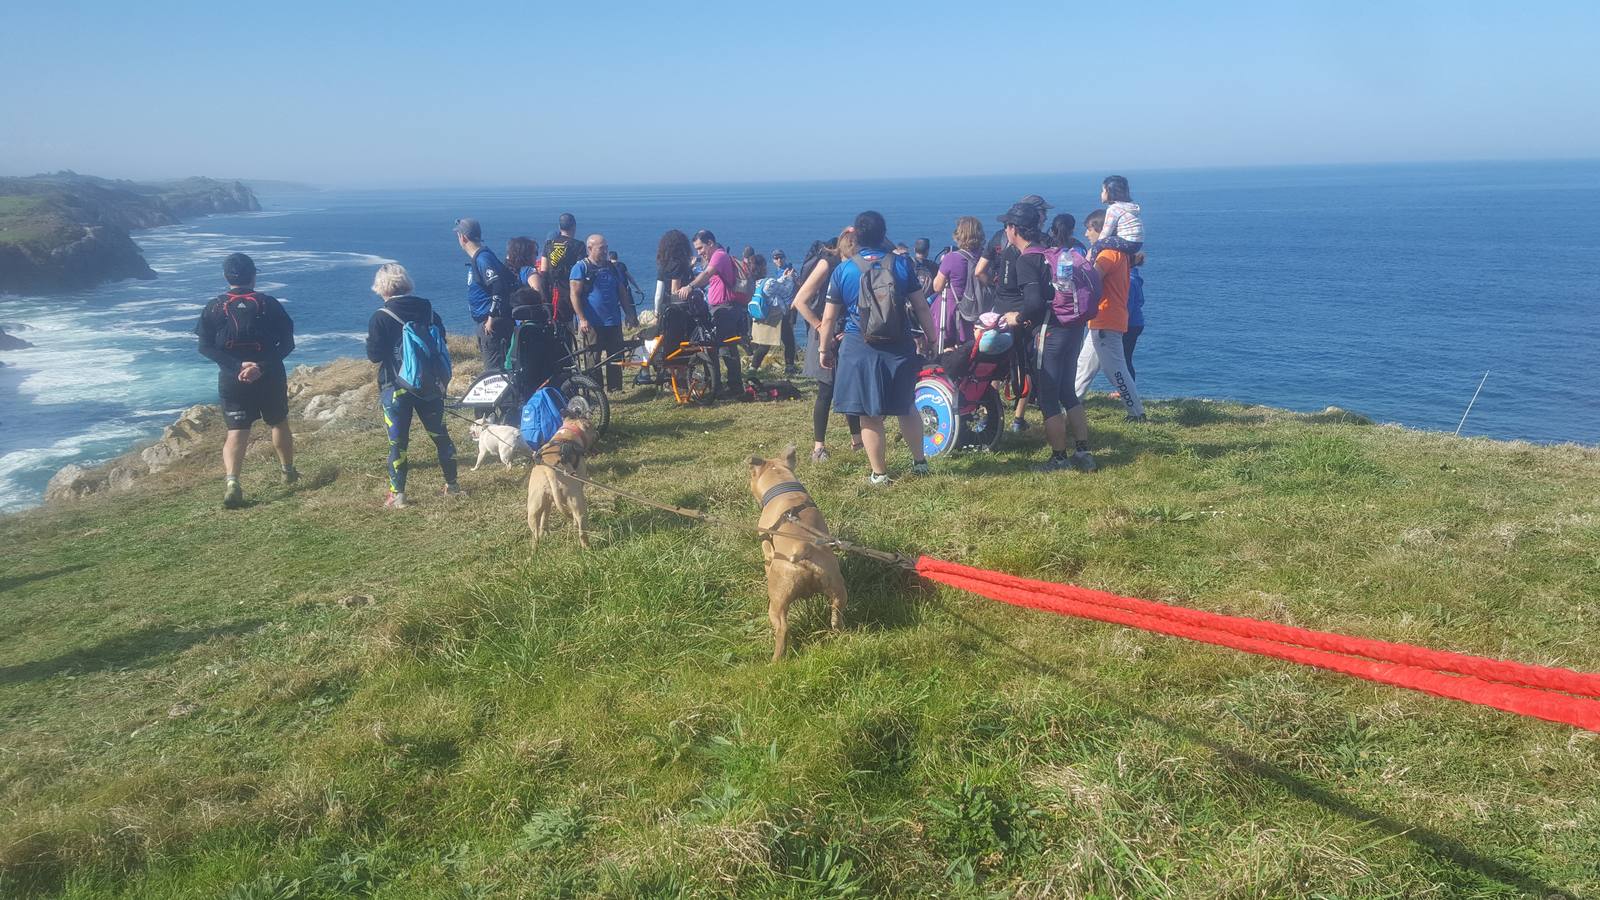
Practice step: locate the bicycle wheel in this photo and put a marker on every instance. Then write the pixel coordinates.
(980, 429)
(697, 381)
(936, 406)
(585, 397)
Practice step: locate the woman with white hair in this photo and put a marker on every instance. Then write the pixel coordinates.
(385, 339)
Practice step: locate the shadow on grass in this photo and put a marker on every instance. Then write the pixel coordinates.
(140, 648)
(1195, 413)
(1438, 845)
(11, 582)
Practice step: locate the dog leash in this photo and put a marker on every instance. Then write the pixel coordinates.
(811, 536)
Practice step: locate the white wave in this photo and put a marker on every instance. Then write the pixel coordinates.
(330, 337)
(84, 447)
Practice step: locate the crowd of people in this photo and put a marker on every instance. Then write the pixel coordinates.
(876, 313)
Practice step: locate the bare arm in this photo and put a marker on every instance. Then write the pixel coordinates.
(816, 281)
(939, 284)
(574, 288)
(827, 349)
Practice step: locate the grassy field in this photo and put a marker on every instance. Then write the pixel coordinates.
(313, 698)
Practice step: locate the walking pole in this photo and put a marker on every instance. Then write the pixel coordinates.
(1470, 402)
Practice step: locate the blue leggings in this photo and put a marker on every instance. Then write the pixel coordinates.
(398, 405)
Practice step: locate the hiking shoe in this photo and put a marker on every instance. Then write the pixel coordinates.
(857, 446)
(790, 371)
(819, 454)
(919, 468)
(877, 479)
(1136, 420)
(290, 475)
(233, 496)
(1054, 464)
(1019, 425)
(395, 500)
(454, 490)
(1084, 460)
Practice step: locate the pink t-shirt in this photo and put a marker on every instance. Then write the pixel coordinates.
(719, 290)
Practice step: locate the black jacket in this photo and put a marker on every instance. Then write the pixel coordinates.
(1024, 286)
(384, 333)
(275, 331)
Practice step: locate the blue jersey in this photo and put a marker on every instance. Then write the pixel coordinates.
(602, 304)
(844, 287)
(486, 278)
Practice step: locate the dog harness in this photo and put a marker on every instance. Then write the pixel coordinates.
(781, 488)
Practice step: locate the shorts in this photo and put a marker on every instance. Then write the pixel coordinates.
(266, 399)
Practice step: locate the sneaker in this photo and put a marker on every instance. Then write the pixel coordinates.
(1054, 464)
(454, 490)
(233, 496)
(790, 371)
(919, 468)
(857, 446)
(879, 479)
(819, 454)
(1137, 420)
(290, 475)
(1084, 460)
(1019, 425)
(395, 500)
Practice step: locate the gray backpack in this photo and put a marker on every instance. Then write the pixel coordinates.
(977, 296)
(880, 305)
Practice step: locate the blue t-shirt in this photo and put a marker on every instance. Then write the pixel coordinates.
(844, 286)
(603, 304)
(1135, 298)
(483, 280)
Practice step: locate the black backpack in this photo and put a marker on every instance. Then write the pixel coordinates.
(880, 304)
(242, 326)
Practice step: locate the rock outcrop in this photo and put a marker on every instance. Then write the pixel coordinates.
(12, 342)
(67, 231)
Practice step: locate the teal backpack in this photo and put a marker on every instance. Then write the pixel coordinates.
(424, 364)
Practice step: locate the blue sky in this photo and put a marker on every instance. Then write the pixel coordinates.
(404, 93)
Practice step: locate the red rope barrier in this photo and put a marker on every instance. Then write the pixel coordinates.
(1510, 686)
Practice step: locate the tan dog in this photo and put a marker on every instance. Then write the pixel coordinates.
(796, 566)
(550, 484)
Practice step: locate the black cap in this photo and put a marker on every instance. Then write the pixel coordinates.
(1024, 214)
(469, 229)
(567, 222)
(239, 269)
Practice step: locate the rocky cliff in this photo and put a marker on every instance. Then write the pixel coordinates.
(67, 231)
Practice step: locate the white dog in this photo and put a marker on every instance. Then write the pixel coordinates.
(504, 441)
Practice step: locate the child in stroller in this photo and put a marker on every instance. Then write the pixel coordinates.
(956, 397)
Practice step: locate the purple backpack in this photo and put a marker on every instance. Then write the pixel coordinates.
(1077, 284)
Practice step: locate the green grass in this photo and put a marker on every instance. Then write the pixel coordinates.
(192, 705)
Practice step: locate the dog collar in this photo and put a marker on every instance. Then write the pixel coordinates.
(779, 489)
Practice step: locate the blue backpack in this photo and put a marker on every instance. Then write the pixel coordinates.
(424, 357)
(541, 416)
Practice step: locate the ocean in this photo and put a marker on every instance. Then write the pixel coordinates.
(1387, 290)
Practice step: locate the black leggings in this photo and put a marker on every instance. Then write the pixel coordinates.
(824, 409)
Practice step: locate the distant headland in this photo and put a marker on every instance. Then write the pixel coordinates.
(67, 231)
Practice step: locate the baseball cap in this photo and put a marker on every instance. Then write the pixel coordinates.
(239, 269)
(566, 222)
(469, 229)
(1021, 214)
(1036, 201)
